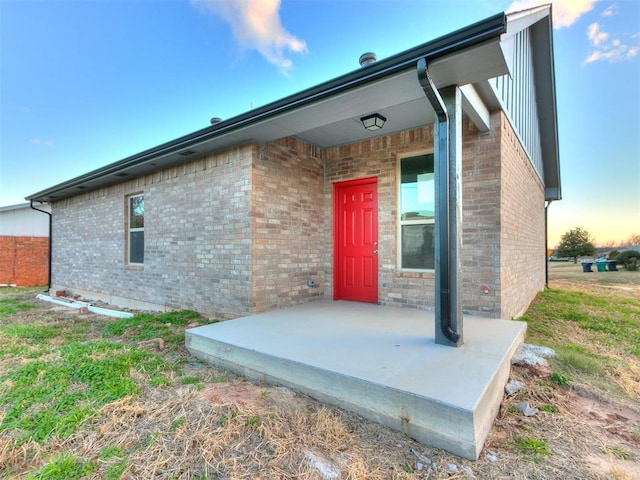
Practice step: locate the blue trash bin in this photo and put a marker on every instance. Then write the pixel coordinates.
(612, 265)
(586, 267)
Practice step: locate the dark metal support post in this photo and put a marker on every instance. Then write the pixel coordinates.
(448, 231)
(452, 97)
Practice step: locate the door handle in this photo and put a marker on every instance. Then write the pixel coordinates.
(375, 252)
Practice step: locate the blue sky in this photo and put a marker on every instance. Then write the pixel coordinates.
(84, 83)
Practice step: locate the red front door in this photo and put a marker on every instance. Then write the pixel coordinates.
(356, 240)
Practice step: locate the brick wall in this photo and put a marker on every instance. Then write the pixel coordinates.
(197, 238)
(243, 230)
(523, 255)
(287, 224)
(503, 219)
(502, 233)
(378, 157)
(24, 261)
(481, 249)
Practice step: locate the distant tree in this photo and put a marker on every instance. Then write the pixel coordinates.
(634, 239)
(576, 243)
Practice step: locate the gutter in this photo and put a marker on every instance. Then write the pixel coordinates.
(448, 308)
(469, 36)
(50, 242)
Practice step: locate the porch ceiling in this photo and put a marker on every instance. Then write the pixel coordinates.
(336, 120)
(399, 98)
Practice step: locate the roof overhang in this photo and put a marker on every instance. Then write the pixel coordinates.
(539, 22)
(19, 206)
(329, 114)
(542, 41)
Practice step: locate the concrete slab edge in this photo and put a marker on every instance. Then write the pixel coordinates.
(425, 420)
(492, 397)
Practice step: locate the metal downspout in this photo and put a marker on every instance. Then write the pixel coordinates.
(50, 242)
(546, 244)
(443, 213)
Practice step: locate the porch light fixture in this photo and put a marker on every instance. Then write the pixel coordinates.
(373, 122)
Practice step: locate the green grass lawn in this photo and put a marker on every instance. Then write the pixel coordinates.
(61, 373)
(56, 374)
(592, 321)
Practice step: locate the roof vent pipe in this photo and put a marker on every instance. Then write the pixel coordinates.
(215, 120)
(367, 59)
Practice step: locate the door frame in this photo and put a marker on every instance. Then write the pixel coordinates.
(336, 186)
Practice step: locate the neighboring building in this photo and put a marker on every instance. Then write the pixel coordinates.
(296, 201)
(24, 246)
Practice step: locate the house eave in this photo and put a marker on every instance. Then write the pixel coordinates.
(356, 93)
(546, 90)
(19, 206)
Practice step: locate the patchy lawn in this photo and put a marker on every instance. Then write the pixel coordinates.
(87, 396)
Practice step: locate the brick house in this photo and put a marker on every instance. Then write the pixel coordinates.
(297, 201)
(24, 246)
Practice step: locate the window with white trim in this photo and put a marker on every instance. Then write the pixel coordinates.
(135, 226)
(417, 213)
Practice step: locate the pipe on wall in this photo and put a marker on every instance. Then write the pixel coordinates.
(50, 242)
(546, 244)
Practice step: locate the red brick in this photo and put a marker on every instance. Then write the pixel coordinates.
(24, 260)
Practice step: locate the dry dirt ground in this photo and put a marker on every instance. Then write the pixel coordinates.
(230, 428)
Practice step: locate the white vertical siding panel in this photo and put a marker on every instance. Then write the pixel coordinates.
(518, 97)
(24, 222)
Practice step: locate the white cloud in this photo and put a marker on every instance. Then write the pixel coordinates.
(45, 143)
(596, 37)
(610, 11)
(565, 12)
(607, 47)
(614, 53)
(256, 24)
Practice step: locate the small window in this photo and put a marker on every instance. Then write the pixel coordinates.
(417, 213)
(136, 229)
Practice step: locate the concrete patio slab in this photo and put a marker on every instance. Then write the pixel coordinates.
(379, 362)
